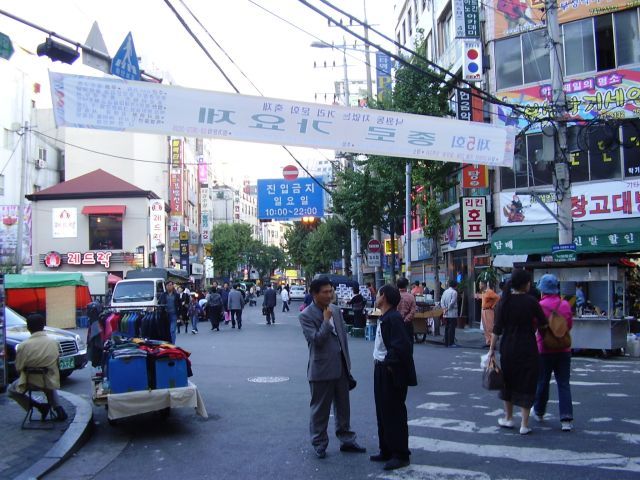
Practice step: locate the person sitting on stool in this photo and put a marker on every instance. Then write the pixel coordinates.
(38, 351)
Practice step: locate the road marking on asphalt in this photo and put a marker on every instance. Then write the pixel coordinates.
(268, 379)
(428, 472)
(465, 369)
(617, 395)
(443, 394)
(562, 457)
(630, 420)
(632, 438)
(600, 419)
(435, 406)
(452, 424)
(495, 413)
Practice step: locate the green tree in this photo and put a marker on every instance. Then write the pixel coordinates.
(295, 243)
(265, 258)
(324, 245)
(229, 242)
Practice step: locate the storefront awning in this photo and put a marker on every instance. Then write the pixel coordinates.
(104, 210)
(621, 235)
(507, 261)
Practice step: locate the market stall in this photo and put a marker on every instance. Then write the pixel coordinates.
(57, 295)
(603, 322)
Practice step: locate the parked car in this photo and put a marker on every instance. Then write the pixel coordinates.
(296, 292)
(73, 351)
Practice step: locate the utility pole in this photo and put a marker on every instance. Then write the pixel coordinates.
(21, 202)
(562, 181)
(407, 221)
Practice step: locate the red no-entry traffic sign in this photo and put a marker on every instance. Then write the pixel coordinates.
(290, 172)
(374, 246)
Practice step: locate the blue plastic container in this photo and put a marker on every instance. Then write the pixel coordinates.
(170, 373)
(370, 332)
(128, 374)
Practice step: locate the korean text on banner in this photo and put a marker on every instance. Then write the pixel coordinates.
(121, 105)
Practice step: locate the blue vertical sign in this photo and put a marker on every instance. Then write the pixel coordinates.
(383, 74)
(281, 199)
(125, 62)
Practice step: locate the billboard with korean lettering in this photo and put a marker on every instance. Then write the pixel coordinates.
(89, 102)
(281, 199)
(615, 94)
(593, 201)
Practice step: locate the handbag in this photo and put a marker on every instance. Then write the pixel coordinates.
(265, 311)
(492, 378)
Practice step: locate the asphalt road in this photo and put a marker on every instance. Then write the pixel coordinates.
(260, 430)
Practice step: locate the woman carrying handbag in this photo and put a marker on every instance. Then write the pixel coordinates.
(518, 316)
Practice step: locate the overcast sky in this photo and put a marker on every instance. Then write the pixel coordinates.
(276, 56)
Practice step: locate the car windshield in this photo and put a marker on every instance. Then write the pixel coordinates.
(13, 319)
(300, 289)
(136, 291)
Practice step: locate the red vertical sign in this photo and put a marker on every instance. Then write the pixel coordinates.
(475, 176)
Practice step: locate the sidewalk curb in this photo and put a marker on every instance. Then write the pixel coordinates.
(75, 435)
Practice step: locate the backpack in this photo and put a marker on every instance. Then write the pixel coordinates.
(214, 299)
(556, 336)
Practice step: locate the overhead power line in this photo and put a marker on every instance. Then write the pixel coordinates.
(475, 91)
(230, 82)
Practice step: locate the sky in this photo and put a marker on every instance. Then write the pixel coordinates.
(276, 56)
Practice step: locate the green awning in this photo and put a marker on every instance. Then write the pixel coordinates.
(43, 280)
(602, 236)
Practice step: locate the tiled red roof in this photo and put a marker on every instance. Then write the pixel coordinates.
(96, 184)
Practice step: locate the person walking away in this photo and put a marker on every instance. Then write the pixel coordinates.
(518, 315)
(357, 303)
(252, 296)
(372, 293)
(269, 303)
(394, 372)
(236, 304)
(557, 362)
(225, 302)
(328, 369)
(214, 308)
(284, 296)
(449, 303)
(172, 304)
(38, 351)
(193, 312)
(407, 307)
(308, 298)
(487, 315)
(183, 315)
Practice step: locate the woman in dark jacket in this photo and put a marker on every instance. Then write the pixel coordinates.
(518, 316)
(394, 372)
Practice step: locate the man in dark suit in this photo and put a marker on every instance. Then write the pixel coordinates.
(394, 371)
(328, 370)
(269, 303)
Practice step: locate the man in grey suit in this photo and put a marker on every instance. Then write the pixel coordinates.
(328, 370)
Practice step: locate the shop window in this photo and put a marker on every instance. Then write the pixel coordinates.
(445, 30)
(507, 179)
(627, 37)
(540, 172)
(604, 153)
(579, 47)
(409, 22)
(631, 148)
(535, 65)
(105, 232)
(605, 48)
(508, 63)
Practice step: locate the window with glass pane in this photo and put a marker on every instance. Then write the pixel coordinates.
(605, 53)
(579, 51)
(539, 171)
(508, 63)
(105, 232)
(522, 171)
(578, 157)
(535, 56)
(507, 179)
(627, 39)
(631, 148)
(604, 153)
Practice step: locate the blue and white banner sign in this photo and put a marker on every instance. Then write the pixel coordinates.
(280, 199)
(130, 106)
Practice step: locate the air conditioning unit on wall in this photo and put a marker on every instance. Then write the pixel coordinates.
(41, 163)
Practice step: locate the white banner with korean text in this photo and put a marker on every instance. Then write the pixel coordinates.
(593, 201)
(130, 106)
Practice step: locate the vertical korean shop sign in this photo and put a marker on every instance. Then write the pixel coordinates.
(466, 18)
(184, 251)
(64, 222)
(473, 219)
(157, 227)
(282, 200)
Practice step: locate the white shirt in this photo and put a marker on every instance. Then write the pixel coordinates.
(284, 295)
(379, 350)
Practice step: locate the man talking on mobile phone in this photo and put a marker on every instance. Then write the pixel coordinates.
(328, 370)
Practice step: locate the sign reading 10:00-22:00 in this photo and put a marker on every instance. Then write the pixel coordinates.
(280, 199)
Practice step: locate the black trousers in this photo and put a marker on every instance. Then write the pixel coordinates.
(450, 331)
(391, 413)
(285, 306)
(409, 328)
(236, 315)
(215, 314)
(271, 316)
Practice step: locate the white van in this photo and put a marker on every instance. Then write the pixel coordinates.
(137, 293)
